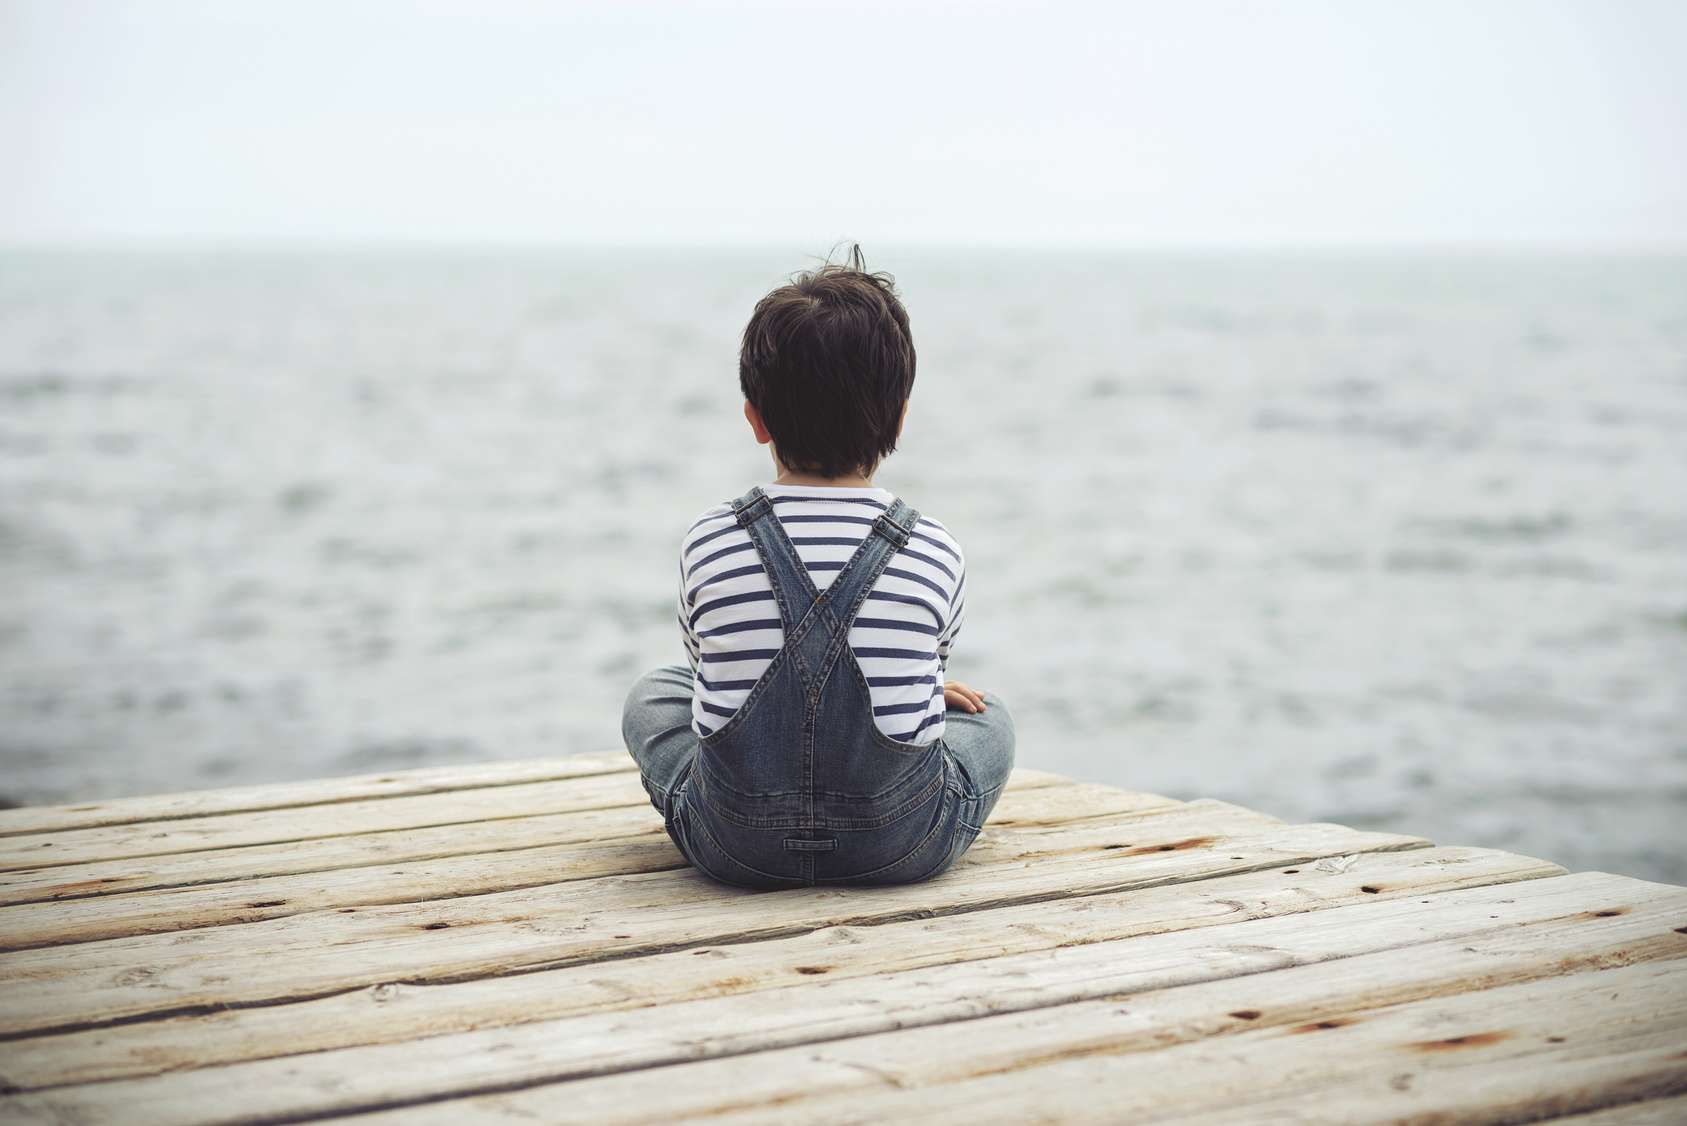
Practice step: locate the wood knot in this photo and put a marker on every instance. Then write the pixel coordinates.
(1173, 846)
(1453, 1043)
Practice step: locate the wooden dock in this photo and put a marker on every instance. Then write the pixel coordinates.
(521, 941)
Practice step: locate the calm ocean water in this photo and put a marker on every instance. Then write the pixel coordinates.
(1398, 541)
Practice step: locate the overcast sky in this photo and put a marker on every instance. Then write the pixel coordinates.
(1176, 122)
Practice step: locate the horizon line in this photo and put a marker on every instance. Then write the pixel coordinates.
(283, 243)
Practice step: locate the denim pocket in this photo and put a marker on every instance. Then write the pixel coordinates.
(699, 846)
(928, 857)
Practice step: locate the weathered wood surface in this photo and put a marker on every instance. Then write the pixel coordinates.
(390, 1012)
(625, 842)
(1650, 1112)
(521, 940)
(316, 791)
(366, 847)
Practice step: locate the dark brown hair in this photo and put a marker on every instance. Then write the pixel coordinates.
(829, 362)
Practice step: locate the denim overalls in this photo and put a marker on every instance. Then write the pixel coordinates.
(800, 786)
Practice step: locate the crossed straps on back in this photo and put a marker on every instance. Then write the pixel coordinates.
(802, 607)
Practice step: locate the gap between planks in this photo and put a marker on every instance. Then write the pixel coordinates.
(1646, 1112)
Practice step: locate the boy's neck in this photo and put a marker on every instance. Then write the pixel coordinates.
(847, 481)
(825, 482)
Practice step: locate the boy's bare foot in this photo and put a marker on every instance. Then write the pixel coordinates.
(958, 695)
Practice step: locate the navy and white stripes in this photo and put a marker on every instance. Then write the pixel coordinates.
(901, 637)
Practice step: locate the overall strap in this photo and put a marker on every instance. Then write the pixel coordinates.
(793, 590)
(890, 533)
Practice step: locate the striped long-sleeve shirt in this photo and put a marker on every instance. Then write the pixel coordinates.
(901, 637)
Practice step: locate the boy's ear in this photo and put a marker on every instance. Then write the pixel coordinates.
(904, 418)
(754, 417)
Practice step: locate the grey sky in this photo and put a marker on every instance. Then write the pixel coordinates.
(1172, 122)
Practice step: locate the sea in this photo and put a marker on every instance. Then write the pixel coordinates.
(1396, 539)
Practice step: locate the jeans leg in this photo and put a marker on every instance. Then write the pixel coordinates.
(656, 727)
(982, 743)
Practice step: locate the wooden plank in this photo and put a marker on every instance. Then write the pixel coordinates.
(589, 920)
(1028, 799)
(1492, 936)
(1546, 1044)
(244, 901)
(391, 1012)
(183, 869)
(335, 819)
(315, 791)
(1631, 1050)
(338, 819)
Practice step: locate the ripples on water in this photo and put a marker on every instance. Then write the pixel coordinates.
(1396, 541)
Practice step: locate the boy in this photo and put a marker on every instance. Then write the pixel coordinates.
(811, 738)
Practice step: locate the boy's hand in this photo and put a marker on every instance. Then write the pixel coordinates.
(958, 695)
